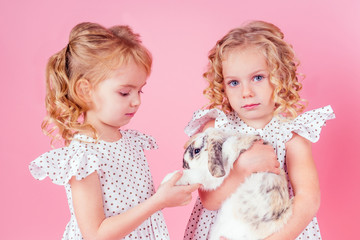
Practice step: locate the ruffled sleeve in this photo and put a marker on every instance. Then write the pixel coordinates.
(146, 142)
(309, 124)
(201, 117)
(62, 164)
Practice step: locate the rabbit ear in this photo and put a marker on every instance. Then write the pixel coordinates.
(215, 161)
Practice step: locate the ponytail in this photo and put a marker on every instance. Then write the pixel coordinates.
(62, 112)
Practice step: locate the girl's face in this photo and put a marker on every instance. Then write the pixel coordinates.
(247, 86)
(115, 100)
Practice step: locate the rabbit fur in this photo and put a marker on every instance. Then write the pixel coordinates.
(259, 207)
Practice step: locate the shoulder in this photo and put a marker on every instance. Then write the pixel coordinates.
(61, 164)
(209, 124)
(297, 143)
(308, 125)
(203, 119)
(299, 157)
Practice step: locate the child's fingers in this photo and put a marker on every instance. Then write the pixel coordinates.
(277, 164)
(192, 187)
(276, 167)
(175, 178)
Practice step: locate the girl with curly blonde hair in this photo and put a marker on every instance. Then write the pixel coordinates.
(280, 59)
(94, 85)
(254, 89)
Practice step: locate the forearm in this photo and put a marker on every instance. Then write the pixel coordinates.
(118, 226)
(305, 208)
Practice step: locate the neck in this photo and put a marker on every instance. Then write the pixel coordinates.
(112, 136)
(258, 123)
(105, 132)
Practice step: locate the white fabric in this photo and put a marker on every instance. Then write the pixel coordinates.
(123, 172)
(277, 132)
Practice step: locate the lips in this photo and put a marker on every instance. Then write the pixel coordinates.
(130, 114)
(250, 106)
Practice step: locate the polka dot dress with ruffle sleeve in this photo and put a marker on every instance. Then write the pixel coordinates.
(277, 132)
(123, 172)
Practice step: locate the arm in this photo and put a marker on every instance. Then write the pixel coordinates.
(305, 182)
(258, 158)
(89, 212)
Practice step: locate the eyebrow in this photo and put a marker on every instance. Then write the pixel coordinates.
(251, 74)
(260, 70)
(131, 86)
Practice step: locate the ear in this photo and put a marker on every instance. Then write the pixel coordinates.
(215, 161)
(84, 89)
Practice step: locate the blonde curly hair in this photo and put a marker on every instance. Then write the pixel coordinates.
(93, 53)
(280, 59)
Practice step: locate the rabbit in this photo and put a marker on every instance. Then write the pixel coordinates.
(259, 207)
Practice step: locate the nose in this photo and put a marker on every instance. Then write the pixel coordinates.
(136, 100)
(185, 165)
(247, 91)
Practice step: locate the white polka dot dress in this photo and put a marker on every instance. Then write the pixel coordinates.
(277, 132)
(123, 172)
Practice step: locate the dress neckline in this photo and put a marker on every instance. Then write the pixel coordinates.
(87, 139)
(270, 123)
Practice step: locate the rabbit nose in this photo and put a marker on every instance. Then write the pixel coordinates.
(185, 165)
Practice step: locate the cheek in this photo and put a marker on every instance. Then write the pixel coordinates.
(111, 107)
(271, 96)
(234, 98)
(102, 98)
(97, 103)
(228, 93)
(199, 162)
(268, 92)
(227, 90)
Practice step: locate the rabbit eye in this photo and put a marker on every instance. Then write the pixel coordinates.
(197, 150)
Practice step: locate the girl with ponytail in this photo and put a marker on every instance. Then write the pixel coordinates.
(93, 89)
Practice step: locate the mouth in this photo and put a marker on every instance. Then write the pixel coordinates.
(130, 114)
(250, 106)
(185, 165)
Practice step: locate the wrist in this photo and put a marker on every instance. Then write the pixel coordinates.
(157, 202)
(241, 170)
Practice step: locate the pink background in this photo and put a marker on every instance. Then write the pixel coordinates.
(325, 35)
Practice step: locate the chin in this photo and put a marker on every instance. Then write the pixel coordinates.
(118, 124)
(124, 123)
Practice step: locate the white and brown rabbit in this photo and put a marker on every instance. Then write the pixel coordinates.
(259, 207)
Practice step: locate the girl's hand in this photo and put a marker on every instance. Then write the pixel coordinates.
(170, 195)
(259, 158)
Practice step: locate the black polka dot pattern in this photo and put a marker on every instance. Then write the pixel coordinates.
(123, 172)
(277, 132)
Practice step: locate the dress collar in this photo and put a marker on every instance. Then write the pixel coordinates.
(273, 122)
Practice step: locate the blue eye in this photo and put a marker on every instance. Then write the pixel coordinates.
(258, 78)
(233, 83)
